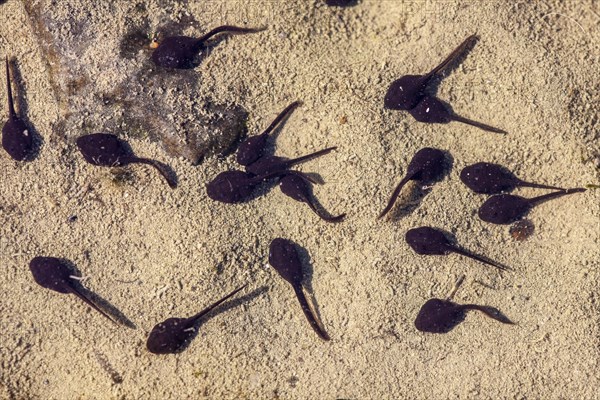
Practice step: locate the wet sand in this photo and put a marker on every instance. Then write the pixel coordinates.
(153, 252)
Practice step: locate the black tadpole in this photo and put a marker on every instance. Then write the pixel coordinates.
(507, 208)
(106, 150)
(426, 166)
(430, 241)
(55, 274)
(490, 178)
(407, 91)
(17, 139)
(173, 334)
(180, 51)
(441, 316)
(252, 148)
(284, 258)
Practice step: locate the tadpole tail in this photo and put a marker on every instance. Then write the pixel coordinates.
(299, 160)
(476, 124)
(539, 186)
(321, 215)
(11, 106)
(230, 29)
(281, 116)
(479, 258)
(554, 195)
(87, 301)
(394, 196)
(491, 312)
(303, 176)
(159, 167)
(215, 304)
(455, 54)
(312, 320)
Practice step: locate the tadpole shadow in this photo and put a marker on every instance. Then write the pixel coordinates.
(308, 277)
(419, 191)
(415, 197)
(23, 111)
(433, 86)
(99, 301)
(221, 309)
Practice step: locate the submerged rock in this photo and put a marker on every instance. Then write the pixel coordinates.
(105, 81)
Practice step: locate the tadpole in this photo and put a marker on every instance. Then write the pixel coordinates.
(55, 274)
(407, 91)
(297, 187)
(232, 186)
(432, 110)
(17, 139)
(341, 3)
(252, 148)
(507, 208)
(430, 241)
(173, 334)
(490, 178)
(441, 316)
(268, 165)
(284, 258)
(179, 51)
(106, 150)
(427, 166)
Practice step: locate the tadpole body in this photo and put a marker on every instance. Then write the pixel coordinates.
(284, 258)
(407, 91)
(232, 186)
(426, 166)
(55, 274)
(171, 335)
(252, 148)
(488, 178)
(508, 208)
(17, 139)
(106, 150)
(179, 52)
(426, 240)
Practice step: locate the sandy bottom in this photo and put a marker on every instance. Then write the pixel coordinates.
(153, 252)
